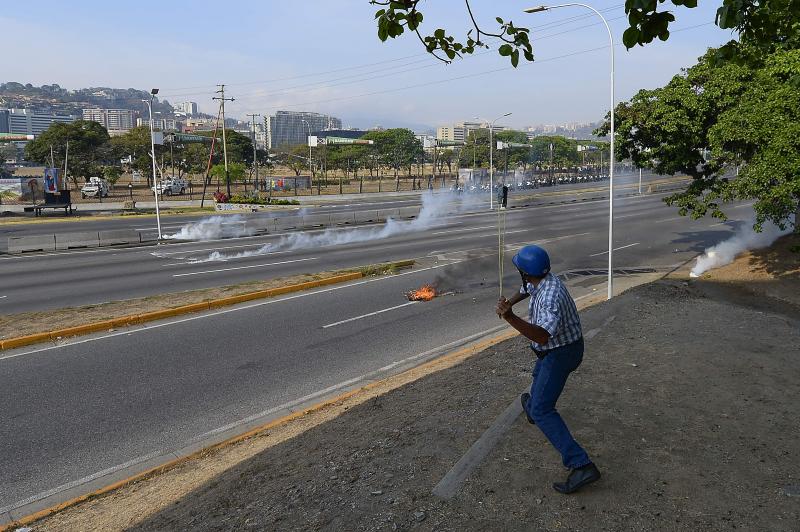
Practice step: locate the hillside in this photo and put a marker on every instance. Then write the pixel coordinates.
(58, 100)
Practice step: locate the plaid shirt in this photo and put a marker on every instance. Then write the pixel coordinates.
(553, 309)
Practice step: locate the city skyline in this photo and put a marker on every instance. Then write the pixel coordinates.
(343, 69)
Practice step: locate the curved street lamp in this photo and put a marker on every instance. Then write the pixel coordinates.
(153, 157)
(611, 158)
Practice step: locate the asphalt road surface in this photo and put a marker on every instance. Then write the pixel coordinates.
(85, 410)
(41, 281)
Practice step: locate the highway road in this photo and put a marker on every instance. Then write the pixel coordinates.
(311, 205)
(41, 281)
(98, 407)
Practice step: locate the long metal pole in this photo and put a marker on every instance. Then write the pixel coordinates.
(611, 158)
(491, 169)
(153, 159)
(222, 98)
(310, 162)
(640, 181)
(255, 152)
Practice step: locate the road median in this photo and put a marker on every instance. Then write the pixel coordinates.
(242, 293)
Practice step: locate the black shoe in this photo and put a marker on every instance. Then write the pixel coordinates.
(524, 398)
(577, 479)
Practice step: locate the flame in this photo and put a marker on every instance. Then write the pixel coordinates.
(424, 293)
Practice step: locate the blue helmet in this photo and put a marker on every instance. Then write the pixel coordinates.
(532, 260)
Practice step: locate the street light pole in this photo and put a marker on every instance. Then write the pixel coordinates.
(611, 157)
(153, 157)
(255, 151)
(310, 161)
(491, 161)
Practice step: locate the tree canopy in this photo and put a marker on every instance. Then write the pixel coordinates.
(89, 147)
(716, 116)
(761, 25)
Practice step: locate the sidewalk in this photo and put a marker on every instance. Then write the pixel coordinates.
(686, 400)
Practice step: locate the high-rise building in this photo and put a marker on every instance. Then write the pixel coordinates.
(186, 108)
(116, 121)
(289, 128)
(28, 122)
(460, 132)
(162, 124)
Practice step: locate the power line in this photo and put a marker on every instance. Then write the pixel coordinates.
(426, 56)
(465, 76)
(364, 76)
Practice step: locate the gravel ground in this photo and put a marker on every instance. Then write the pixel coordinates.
(687, 401)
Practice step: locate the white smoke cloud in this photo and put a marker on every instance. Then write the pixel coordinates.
(213, 228)
(435, 207)
(745, 239)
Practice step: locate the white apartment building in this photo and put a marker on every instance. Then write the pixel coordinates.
(116, 121)
(460, 132)
(186, 108)
(28, 122)
(163, 124)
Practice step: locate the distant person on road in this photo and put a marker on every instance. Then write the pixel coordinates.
(557, 340)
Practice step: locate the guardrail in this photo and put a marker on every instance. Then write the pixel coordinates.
(91, 239)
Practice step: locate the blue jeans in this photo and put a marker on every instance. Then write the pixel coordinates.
(549, 377)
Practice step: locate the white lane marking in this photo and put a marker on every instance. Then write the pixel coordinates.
(463, 230)
(631, 215)
(370, 314)
(669, 219)
(189, 261)
(718, 224)
(224, 311)
(584, 296)
(615, 249)
(242, 267)
(1, 297)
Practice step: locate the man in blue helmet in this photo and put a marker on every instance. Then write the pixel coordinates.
(556, 337)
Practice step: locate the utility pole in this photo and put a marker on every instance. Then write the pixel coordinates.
(552, 179)
(255, 152)
(223, 99)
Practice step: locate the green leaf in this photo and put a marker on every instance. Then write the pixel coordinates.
(439, 33)
(631, 38)
(499, 20)
(515, 58)
(505, 50)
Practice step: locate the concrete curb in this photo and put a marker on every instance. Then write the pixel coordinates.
(135, 319)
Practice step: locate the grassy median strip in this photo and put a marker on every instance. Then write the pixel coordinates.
(17, 330)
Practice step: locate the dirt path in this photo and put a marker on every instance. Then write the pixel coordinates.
(687, 401)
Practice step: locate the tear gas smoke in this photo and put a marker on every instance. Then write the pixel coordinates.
(745, 238)
(435, 207)
(213, 228)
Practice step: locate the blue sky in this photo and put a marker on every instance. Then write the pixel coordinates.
(324, 55)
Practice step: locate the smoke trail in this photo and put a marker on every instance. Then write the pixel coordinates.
(745, 238)
(434, 208)
(213, 228)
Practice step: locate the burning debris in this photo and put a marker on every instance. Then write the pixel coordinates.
(427, 292)
(424, 293)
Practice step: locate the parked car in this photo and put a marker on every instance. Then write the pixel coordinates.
(96, 187)
(170, 186)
